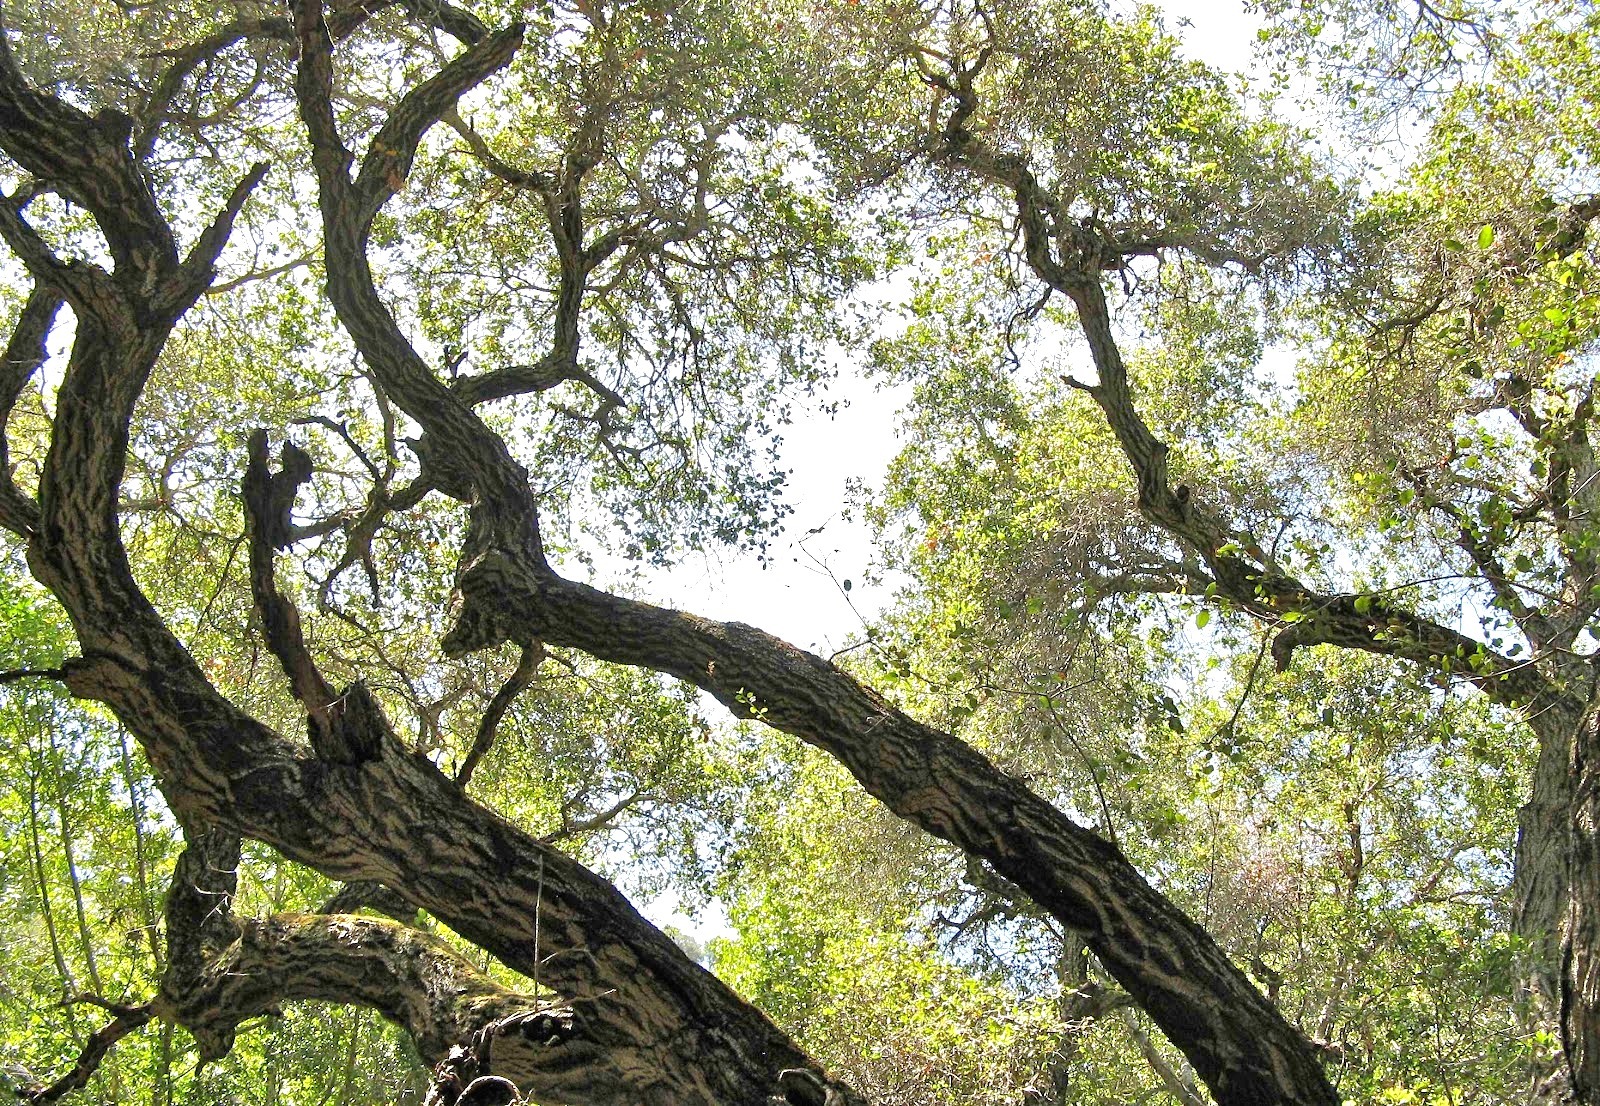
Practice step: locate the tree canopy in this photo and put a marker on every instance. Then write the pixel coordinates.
(1233, 737)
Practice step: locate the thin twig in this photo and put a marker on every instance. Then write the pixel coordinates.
(16, 674)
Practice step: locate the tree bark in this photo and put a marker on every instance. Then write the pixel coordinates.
(660, 1028)
(1579, 994)
(654, 1027)
(1236, 1040)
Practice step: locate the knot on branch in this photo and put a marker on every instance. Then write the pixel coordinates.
(442, 469)
(269, 496)
(483, 588)
(352, 728)
(504, 1056)
(799, 1087)
(1284, 643)
(116, 126)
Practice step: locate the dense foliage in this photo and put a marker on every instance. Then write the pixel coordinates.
(1233, 734)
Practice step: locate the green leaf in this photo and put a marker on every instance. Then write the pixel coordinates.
(1486, 236)
(1201, 619)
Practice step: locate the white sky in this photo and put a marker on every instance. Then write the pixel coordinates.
(799, 595)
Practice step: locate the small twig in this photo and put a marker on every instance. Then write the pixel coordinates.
(118, 1009)
(1228, 728)
(1089, 763)
(226, 286)
(16, 674)
(527, 669)
(222, 580)
(343, 431)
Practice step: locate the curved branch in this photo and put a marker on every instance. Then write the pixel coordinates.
(89, 160)
(461, 452)
(1070, 257)
(520, 680)
(1237, 1040)
(388, 159)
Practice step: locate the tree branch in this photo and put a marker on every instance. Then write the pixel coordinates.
(87, 158)
(269, 503)
(462, 452)
(520, 680)
(1209, 1009)
(1070, 257)
(101, 1041)
(23, 355)
(388, 160)
(224, 972)
(199, 268)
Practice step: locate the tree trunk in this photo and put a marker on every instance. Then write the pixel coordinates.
(1579, 991)
(1541, 885)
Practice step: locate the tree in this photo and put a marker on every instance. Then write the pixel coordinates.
(1402, 410)
(687, 172)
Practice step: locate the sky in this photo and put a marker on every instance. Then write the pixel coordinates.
(799, 595)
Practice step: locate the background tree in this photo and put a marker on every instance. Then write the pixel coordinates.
(503, 274)
(1415, 396)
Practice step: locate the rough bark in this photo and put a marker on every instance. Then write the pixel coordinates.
(1233, 1036)
(654, 1026)
(1579, 994)
(1237, 1041)
(1558, 846)
(659, 1028)
(223, 971)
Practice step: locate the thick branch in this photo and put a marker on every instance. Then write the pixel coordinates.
(1070, 257)
(410, 978)
(669, 1031)
(388, 160)
(1233, 1036)
(224, 972)
(199, 268)
(462, 453)
(664, 1030)
(269, 503)
(88, 159)
(454, 21)
(87, 287)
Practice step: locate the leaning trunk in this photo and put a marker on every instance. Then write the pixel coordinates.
(1579, 978)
